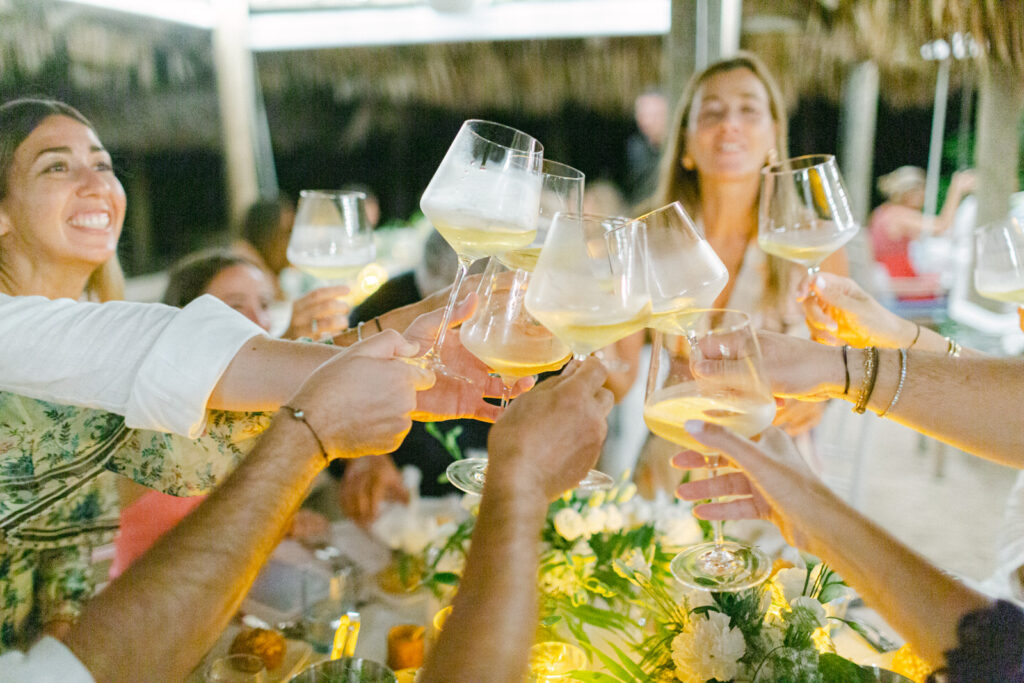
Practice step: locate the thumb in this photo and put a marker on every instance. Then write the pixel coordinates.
(386, 344)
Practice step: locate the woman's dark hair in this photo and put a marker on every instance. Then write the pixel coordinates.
(18, 118)
(190, 276)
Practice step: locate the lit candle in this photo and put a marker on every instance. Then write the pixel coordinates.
(554, 661)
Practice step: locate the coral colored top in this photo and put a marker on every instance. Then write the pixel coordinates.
(894, 254)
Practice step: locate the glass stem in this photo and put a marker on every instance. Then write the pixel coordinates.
(506, 392)
(716, 525)
(435, 350)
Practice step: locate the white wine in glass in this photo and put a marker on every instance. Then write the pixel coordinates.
(331, 238)
(483, 199)
(561, 191)
(999, 261)
(509, 341)
(804, 214)
(734, 393)
(590, 282)
(683, 271)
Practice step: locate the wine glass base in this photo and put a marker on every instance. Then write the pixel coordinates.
(437, 366)
(721, 568)
(469, 475)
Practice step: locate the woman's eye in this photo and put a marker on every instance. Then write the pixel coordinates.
(55, 167)
(104, 166)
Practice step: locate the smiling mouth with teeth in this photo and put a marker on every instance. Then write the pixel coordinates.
(92, 221)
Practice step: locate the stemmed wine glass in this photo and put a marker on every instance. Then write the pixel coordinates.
(509, 341)
(999, 261)
(590, 288)
(561, 191)
(590, 283)
(483, 199)
(804, 213)
(731, 390)
(683, 271)
(331, 239)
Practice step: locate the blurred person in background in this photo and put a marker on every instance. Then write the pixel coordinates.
(898, 221)
(731, 121)
(316, 314)
(643, 147)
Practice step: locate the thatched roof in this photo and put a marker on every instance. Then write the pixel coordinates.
(117, 61)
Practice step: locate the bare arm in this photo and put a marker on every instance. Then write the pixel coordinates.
(157, 619)
(973, 403)
(544, 444)
(923, 603)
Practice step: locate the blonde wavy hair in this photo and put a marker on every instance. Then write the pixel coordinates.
(18, 118)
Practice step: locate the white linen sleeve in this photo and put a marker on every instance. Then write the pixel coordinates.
(49, 661)
(154, 364)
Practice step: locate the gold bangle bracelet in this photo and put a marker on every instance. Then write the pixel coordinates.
(870, 376)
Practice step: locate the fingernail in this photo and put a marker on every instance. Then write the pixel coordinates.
(694, 426)
(819, 282)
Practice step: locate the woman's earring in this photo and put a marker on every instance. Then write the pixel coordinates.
(688, 162)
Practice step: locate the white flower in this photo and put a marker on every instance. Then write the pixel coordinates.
(614, 522)
(816, 609)
(452, 561)
(569, 524)
(694, 598)
(679, 532)
(708, 648)
(596, 499)
(470, 503)
(594, 519)
(582, 550)
(791, 582)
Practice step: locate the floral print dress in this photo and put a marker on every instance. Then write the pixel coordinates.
(58, 500)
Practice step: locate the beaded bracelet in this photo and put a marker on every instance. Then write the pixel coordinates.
(899, 387)
(954, 349)
(299, 415)
(870, 376)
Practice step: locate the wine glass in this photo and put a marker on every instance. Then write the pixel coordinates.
(483, 199)
(509, 341)
(331, 239)
(804, 213)
(561, 190)
(733, 392)
(683, 271)
(999, 261)
(590, 283)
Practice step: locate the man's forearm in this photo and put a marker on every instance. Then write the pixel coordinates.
(494, 616)
(157, 620)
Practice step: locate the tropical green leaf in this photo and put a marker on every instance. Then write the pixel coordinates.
(835, 668)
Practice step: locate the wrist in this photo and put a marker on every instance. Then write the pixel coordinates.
(838, 377)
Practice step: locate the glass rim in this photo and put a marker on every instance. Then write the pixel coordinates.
(575, 174)
(745, 320)
(539, 147)
(330, 194)
(596, 217)
(667, 207)
(805, 163)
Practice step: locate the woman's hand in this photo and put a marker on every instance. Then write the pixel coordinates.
(775, 484)
(796, 417)
(321, 313)
(839, 312)
(366, 484)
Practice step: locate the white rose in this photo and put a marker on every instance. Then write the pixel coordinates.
(790, 584)
(694, 598)
(811, 605)
(679, 532)
(569, 524)
(708, 648)
(614, 522)
(594, 519)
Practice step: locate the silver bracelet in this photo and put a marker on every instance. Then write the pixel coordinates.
(954, 349)
(899, 387)
(359, 330)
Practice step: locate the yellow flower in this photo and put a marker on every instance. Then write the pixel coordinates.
(907, 663)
